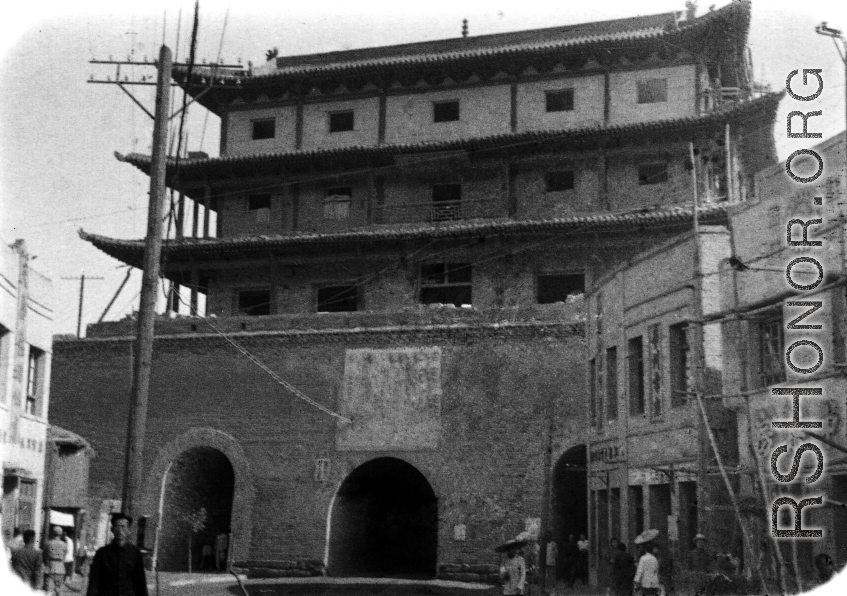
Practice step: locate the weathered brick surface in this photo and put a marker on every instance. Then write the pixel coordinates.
(487, 472)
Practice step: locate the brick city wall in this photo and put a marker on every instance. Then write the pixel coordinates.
(487, 472)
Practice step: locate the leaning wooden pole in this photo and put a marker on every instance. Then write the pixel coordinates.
(149, 290)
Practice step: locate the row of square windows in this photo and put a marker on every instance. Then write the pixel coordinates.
(338, 198)
(766, 345)
(561, 100)
(603, 382)
(440, 283)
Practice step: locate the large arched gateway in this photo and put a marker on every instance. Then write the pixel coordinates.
(198, 491)
(384, 522)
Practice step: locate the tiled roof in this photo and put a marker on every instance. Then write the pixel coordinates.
(564, 139)
(500, 45)
(131, 251)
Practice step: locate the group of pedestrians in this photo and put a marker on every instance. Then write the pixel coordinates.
(521, 569)
(48, 569)
(117, 568)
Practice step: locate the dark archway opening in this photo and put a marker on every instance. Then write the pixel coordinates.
(570, 504)
(201, 478)
(384, 522)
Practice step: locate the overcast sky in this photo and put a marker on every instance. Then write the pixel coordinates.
(57, 166)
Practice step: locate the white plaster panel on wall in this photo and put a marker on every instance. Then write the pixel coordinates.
(239, 135)
(393, 397)
(623, 88)
(588, 104)
(482, 111)
(365, 131)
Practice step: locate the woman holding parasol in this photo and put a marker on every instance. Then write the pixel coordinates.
(513, 566)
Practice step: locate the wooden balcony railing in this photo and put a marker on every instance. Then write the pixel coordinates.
(438, 211)
(716, 97)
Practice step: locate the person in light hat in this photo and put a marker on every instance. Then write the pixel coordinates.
(513, 567)
(699, 558)
(647, 574)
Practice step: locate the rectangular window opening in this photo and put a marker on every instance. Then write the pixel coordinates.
(260, 201)
(34, 380)
(341, 121)
(254, 303)
(559, 101)
(264, 129)
(635, 357)
(652, 173)
(559, 181)
(652, 91)
(338, 299)
(445, 111)
(592, 391)
(446, 283)
(612, 382)
(679, 363)
(5, 345)
(558, 287)
(446, 202)
(337, 202)
(771, 352)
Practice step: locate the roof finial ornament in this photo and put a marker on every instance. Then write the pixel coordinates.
(464, 27)
(271, 54)
(690, 10)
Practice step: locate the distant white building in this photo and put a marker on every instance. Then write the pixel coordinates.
(26, 325)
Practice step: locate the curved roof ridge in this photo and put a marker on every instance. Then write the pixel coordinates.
(130, 251)
(488, 46)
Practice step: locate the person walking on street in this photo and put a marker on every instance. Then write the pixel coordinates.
(608, 578)
(623, 571)
(221, 547)
(16, 542)
(69, 557)
(28, 563)
(700, 559)
(582, 561)
(666, 570)
(647, 575)
(551, 558)
(118, 567)
(513, 573)
(571, 556)
(54, 562)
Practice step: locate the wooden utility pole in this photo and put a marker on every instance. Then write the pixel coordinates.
(81, 279)
(143, 353)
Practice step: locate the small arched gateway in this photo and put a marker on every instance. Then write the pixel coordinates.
(384, 522)
(198, 490)
(202, 468)
(570, 503)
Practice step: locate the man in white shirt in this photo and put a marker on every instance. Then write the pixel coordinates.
(647, 574)
(69, 557)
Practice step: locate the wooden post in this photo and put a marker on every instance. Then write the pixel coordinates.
(195, 220)
(272, 307)
(79, 316)
(143, 355)
(369, 214)
(730, 178)
(180, 216)
(195, 283)
(207, 206)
